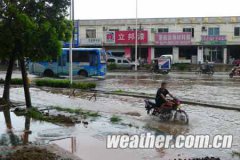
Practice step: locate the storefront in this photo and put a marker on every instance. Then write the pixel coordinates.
(215, 49)
(123, 44)
(178, 44)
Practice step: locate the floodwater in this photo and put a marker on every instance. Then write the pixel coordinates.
(217, 89)
(202, 121)
(89, 142)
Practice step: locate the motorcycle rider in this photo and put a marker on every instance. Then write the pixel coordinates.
(161, 96)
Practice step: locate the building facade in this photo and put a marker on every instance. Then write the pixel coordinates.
(189, 40)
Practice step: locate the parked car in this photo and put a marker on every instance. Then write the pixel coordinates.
(122, 62)
(236, 62)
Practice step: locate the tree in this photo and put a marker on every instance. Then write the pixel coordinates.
(34, 29)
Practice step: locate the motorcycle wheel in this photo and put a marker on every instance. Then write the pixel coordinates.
(198, 72)
(183, 117)
(163, 117)
(211, 73)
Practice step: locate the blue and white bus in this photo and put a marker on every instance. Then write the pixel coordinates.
(87, 62)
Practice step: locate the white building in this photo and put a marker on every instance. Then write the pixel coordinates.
(190, 40)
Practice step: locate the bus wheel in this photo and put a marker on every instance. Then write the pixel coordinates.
(83, 73)
(48, 73)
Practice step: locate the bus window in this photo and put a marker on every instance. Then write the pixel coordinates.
(80, 56)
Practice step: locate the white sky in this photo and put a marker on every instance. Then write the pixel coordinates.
(107, 9)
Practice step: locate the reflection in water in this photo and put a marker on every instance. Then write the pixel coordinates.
(10, 138)
(27, 130)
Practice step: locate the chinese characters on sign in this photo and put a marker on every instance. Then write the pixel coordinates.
(91, 41)
(110, 37)
(181, 38)
(128, 37)
(214, 40)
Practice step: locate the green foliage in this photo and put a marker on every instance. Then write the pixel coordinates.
(78, 112)
(119, 91)
(181, 66)
(83, 85)
(56, 83)
(14, 81)
(112, 66)
(35, 114)
(115, 119)
(53, 83)
(236, 154)
(33, 29)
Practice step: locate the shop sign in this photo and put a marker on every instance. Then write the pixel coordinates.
(128, 37)
(174, 38)
(91, 41)
(214, 40)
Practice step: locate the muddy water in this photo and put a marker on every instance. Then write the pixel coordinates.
(217, 89)
(91, 141)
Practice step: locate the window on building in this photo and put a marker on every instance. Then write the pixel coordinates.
(91, 33)
(237, 31)
(215, 31)
(191, 30)
(161, 30)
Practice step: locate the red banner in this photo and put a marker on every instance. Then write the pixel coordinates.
(128, 37)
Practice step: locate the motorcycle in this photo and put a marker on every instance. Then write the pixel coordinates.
(167, 112)
(206, 69)
(234, 72)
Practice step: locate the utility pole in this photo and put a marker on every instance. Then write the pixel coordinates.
(136, 37)
(71, 42)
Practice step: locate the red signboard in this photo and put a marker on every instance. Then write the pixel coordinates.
(128, 37)
(175, 38)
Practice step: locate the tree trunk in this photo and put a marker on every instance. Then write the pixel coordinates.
(7, 117)
(25, 83)
(27, 130)
(6, 91)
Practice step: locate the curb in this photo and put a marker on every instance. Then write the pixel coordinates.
(145, 96)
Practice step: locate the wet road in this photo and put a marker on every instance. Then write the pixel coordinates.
(217, 89)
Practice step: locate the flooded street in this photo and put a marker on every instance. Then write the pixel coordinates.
(89, 142)
(217, 89)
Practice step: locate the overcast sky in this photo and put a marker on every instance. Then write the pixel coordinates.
(107, 9)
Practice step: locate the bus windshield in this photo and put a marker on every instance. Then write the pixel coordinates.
(103, 57)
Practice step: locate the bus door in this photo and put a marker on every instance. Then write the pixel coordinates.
(93, 61)
(62, 64)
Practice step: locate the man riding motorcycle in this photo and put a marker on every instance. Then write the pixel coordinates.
(161, 96)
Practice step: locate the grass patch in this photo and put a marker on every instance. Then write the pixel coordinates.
(78, 112)
(56, 83)
(236, 154)
(119, 91)
(14, 81)
(112, 66)
(37, 115)
(115, 119)
(181, 66)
